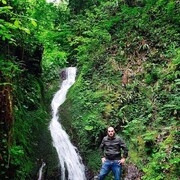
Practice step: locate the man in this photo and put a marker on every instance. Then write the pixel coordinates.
(110, 150)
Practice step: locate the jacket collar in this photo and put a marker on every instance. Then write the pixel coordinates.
(111, 138)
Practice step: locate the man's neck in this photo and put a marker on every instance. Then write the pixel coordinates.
(111, 137)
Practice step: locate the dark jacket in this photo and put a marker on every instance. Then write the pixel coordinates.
(110, 148)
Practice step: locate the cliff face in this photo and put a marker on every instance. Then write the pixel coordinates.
(128, 77)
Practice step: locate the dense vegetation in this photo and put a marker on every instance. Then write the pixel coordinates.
(127, 54)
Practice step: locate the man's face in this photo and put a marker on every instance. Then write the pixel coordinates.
(111, 132)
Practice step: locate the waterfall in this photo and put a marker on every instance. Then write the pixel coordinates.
(40, 171)
(68, 158)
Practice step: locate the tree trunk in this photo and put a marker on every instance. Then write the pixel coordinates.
(6, 122)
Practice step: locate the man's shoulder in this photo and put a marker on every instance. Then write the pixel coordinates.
(115, 138)
(119, 139)
(105, 138)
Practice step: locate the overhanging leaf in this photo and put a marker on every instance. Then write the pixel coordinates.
(88, 128)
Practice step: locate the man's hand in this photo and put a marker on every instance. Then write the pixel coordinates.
(103, 160)
(122, 161)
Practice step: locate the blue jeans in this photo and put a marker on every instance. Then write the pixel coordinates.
(110, 165)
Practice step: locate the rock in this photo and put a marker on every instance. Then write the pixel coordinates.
(132, 173)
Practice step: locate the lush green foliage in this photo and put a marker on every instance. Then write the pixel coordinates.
(110, 39)
(23, 28)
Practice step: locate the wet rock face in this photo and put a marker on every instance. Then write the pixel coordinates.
(89, 174)
(63, 74)
(132, 173)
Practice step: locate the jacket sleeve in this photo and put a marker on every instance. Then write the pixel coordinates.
(101, 148)
(125, 149)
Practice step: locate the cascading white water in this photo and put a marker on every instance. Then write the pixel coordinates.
(40, 170)
(68, 157)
